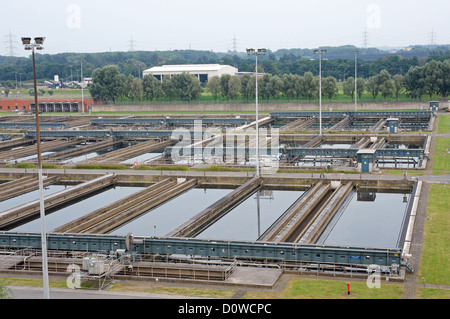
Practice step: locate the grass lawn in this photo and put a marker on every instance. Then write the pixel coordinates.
(435, 252)
(138, 288)
(197, 292)
(300, 288)
(206, 97)
(411, 172)
(441, 163)
(431, 293)
(444, 123)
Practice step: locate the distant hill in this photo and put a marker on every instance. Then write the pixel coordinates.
(340, 61)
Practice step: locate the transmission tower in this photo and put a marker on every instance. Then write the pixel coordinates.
(365, 39)
(432, 37)
(10, 44)
(131, 44)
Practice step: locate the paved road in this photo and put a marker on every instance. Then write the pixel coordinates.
(20, 292)
(199, 174)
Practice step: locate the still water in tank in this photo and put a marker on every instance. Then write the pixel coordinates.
(78, 209)
(29, 196)
(369, 220)
(170, 215)
(246, 221)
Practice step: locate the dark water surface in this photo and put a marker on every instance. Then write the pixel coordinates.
(244, 222)
(375, 223)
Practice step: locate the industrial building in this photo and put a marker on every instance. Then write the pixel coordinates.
(203, 71)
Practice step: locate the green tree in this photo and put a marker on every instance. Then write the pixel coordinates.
(329, 87)
(443, 83)
(431, 74)
(385, 84)
(372, 86)
(234, 87)
(298, 85)
(214, 86)
(310, 85)
(152, 87)
(361, 87)
(224, 85)
(168, 88)
(349, 87)
(134, 88)
(413, 81)
(251, 88)
(275, 87)
(107, 84)
(398, 84)
(245, 87)
(264, 86)
(289, 85)
(187, 86)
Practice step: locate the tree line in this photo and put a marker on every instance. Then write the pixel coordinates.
(338, 62)
(110, 85)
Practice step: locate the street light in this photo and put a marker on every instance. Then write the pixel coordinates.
(356, 78)
(82, 86)
(256, 53)
(37, 45)
(320, 52)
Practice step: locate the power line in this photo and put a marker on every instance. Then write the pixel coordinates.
(131, 44)
(10, 44)
(365, 39)
(432, 37)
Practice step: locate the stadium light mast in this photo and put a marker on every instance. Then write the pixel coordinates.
(320, 53)
(256, 53)
(356, 79)
(82, 87)
(38, 45)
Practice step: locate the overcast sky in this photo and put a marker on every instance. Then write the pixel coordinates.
(98, 26)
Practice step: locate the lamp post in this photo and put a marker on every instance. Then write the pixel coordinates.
(82, 86)
(356, 79)
(256, 53)
(38, 45)
(320, 52)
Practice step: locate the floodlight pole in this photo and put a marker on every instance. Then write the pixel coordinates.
(320, 52)
(256, 53)
(82, 84)
(356, 79)
(32, 46)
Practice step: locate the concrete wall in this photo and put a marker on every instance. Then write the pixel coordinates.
(238, 107)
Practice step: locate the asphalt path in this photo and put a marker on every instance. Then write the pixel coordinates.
(21, 292)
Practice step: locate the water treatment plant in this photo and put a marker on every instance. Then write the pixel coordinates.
(177, 197)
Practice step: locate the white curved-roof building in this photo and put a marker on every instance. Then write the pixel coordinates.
(203, 71)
